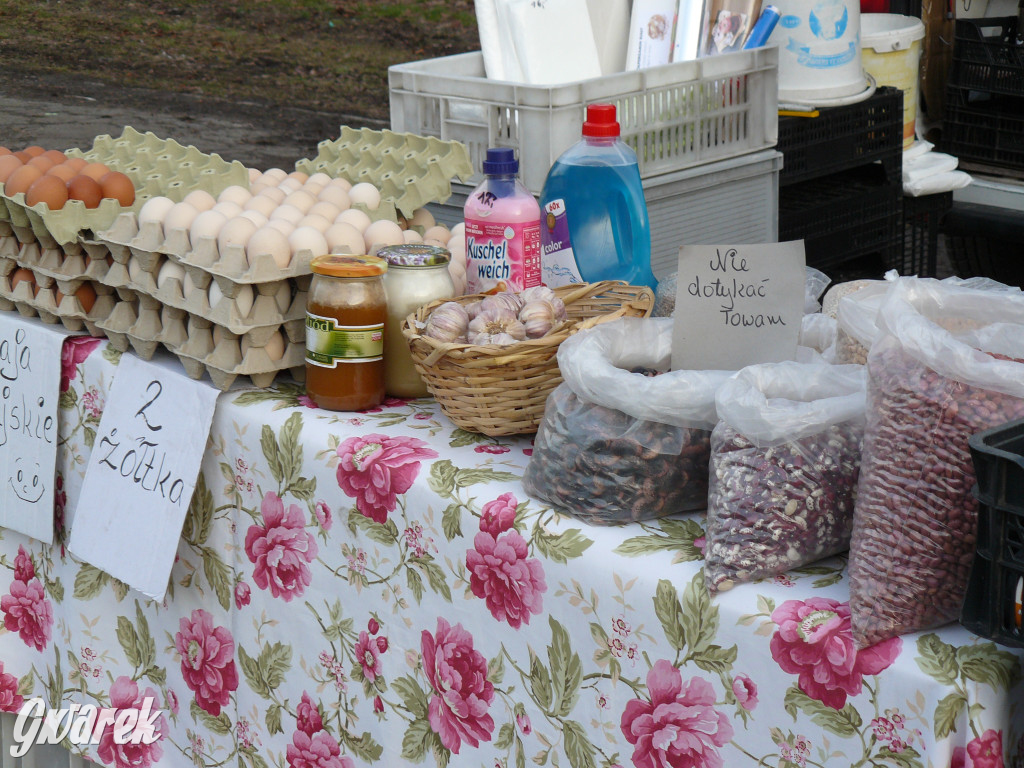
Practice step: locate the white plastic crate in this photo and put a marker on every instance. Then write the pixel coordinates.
(676, 116)
(730, 201)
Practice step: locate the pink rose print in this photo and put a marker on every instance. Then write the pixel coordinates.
(986, 751)
(23, 568)
(125, 694)
(499, 515)
(462, 693)
(60, 502)
(745, 691)
(959, 759)
(306, 401)
(523, 721)
(367, 652)
(242, 595)
(28, 612)
(207, 660)
(316, 751)
(373, 626)
(10, 699)
(378, 704)
(492, 449)
(679, 727)
(389, 402)
(171, 702)
(511, 584)
(74, 352)
(814, 641)
(323, 514)
(281, 549)
(307, 716)
(376, 469)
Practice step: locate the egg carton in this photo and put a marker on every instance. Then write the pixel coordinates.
(43, 303)
(409, 170)
(156, 167)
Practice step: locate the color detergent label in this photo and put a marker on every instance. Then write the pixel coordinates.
(329, 344)
(501, 256)
(558, 262)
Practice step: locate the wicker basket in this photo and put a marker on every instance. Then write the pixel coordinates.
(501, 390)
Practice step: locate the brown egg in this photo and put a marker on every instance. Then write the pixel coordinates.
(115, 184)
(77, 163)
(42, 162)
(86, 189)
(62, 171)
(95, 171)
(8, 165)
(86, 296)
(34, 150)
(21, 180)
(22, 155)
(4, 151)
(58, 297)
(51, 190)
(20, 275)
(56, 155)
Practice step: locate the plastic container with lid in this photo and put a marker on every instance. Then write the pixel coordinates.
(345, 315)
(595, 222)
(502, 229)
(417, 274)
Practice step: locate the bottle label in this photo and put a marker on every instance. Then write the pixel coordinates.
(501, 256)
(558, 262)
(328, 344)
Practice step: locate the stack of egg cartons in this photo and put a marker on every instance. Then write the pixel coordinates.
(219, 276)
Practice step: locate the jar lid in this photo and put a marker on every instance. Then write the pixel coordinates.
(338, 265)
(415, 255)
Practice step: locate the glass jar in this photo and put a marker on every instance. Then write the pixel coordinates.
(417, 275)
(345, 314)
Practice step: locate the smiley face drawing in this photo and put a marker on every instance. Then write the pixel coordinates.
(26, 483)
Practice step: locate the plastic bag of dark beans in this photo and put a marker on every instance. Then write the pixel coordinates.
(623, 438)
(929, 389)
(784, 464)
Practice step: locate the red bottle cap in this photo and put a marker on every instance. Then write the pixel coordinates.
(601, 121)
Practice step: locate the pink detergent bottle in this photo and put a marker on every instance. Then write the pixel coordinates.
(502, 229)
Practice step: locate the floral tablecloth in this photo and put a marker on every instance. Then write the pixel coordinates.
(377, 589)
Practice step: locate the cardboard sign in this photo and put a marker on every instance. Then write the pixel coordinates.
(30, 354)
(141, 474)
(737, 305)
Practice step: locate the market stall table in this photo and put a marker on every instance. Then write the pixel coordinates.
(376, 588)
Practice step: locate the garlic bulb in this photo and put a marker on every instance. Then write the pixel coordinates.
(493, 321)
(501, 339)
(537, 317)
(559, 306)
(473, 308)
(504, 300)
(537, 292)
(447, 322)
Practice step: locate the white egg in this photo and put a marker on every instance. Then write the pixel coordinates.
(320, 178)
(171, 270)
(275, 194)
(364, 192)
(458, 254)
(274, 346)
(344, 238)
(200, 199)
(274, 176)
(257, 186)
(228, 208)
(355, 217)
(459, 230)
(236, 232)
(180, 216)
(135, 271)
(301, 199)
(437, 235)
(255, 217)
(282, 225)
(155, 209)
(457, 269)
(412, 236)
(322, 208)
(308, 239)
(244, 299)
(383, 232)
(337, 196)
(255, 174)
(261, 203)
(214, 294)
(289, 185)
(267, 241)
(235, 194)
(312, 187)
(312, 220)
(288, 213)
(206, 224)
(188, 286)
(299, 176)
(421, 217)
(340, 183)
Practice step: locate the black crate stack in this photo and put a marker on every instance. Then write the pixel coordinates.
(984, 112)
(841, 188)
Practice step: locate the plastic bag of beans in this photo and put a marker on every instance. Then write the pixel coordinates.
(784, 462)
(948, 362)
(623, 438)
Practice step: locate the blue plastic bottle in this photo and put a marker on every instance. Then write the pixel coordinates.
(594, 223)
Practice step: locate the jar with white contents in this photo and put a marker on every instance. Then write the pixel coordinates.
(417, 275)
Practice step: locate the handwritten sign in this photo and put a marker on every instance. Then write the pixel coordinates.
(141, 474)
(30, 353)
(737, 305)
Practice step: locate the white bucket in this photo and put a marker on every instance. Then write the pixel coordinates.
(819, 50)
(891, 52)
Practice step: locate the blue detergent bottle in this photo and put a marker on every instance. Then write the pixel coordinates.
(594, 223)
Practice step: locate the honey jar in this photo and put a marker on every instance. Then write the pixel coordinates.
(345, 314)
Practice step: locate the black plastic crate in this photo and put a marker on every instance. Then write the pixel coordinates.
(843, 216)
(984, 241)
(988, 130)
(844, 137)
(921, 219)
(991, 606)
(986, 57)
